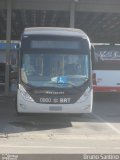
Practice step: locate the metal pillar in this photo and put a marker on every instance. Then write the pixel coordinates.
(8, 40)
(72, 14)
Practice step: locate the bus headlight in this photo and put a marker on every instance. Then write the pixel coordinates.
(25, 95)
(85, 95)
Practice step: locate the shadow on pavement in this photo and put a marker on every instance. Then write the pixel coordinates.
(107, 106)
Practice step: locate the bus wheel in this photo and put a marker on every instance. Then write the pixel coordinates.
(16, 110)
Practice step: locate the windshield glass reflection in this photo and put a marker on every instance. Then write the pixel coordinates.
(54, 70)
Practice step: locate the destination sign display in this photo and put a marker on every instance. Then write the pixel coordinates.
(109, 55)
(40, 44)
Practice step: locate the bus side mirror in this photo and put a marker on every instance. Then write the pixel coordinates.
(17, 46)
(13, 74)
(92, 55)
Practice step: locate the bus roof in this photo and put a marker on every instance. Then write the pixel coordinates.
(55, 31)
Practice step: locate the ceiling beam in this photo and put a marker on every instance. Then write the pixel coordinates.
(81, 5)
(99, 6)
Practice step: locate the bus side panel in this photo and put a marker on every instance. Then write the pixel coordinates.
(106, 81)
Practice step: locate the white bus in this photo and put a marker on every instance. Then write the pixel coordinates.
(106, 73)
(55, 74)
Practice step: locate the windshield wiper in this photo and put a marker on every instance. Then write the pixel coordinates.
(63, 84)
(84, 78)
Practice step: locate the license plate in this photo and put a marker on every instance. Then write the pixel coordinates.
(55, 108)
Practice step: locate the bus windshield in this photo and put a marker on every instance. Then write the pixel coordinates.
(54, 70)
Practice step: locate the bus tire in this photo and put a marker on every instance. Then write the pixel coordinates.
(16, 110)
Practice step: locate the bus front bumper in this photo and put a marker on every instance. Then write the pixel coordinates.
(81, 106)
